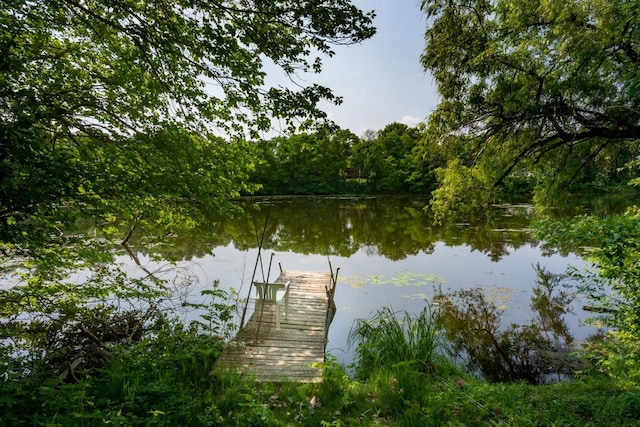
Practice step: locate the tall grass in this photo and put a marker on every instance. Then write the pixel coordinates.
(389, 338)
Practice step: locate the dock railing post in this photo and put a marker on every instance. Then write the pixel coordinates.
(259, 241)
(331, 290)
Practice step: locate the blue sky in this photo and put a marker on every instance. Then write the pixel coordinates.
(381, 80)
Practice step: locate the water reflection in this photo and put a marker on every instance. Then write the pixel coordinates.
(392, 227)
(389, 251)
(535, 352)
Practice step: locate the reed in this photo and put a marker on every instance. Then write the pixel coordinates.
(388, 338)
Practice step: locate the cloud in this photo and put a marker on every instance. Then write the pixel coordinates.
(410, 120)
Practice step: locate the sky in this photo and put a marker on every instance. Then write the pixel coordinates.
(381, 80)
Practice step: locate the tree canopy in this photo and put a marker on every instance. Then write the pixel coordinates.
(108, 108)
(329, 161)
(538, 87)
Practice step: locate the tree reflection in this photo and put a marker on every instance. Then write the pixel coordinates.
(535, 352)
(392, 226)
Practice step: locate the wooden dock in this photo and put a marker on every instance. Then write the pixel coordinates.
(293, 353)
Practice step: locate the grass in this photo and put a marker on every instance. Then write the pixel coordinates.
(389, 338)
(166, 380)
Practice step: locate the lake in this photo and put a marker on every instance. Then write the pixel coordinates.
(389, 253)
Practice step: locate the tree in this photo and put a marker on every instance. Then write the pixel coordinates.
(530, 86)
(611, 284)
(107, 108)
(388, 159)
(397, 141)
(304, 163)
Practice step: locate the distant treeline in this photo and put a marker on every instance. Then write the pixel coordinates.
(396, 159)
(328, 162)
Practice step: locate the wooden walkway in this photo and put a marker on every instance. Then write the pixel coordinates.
(293, 353)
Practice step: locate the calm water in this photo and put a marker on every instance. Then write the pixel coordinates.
(389, 253)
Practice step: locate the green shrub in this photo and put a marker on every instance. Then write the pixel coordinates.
(611, 284)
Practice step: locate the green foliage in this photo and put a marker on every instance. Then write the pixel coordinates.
(135, 369)
(612, 284)
(591, 401)
(303, 163)
(535, 90)
(160, 373)
(612, 246)
(386, 341)
(53, 321)
(617, 355)
(109, 109)
(390, 162)
(217, 314)
(336, 161)
(333, 390)
(147, 189)
(461, 192)
(165, 379)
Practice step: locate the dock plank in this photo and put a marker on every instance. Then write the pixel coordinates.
(293, 353)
